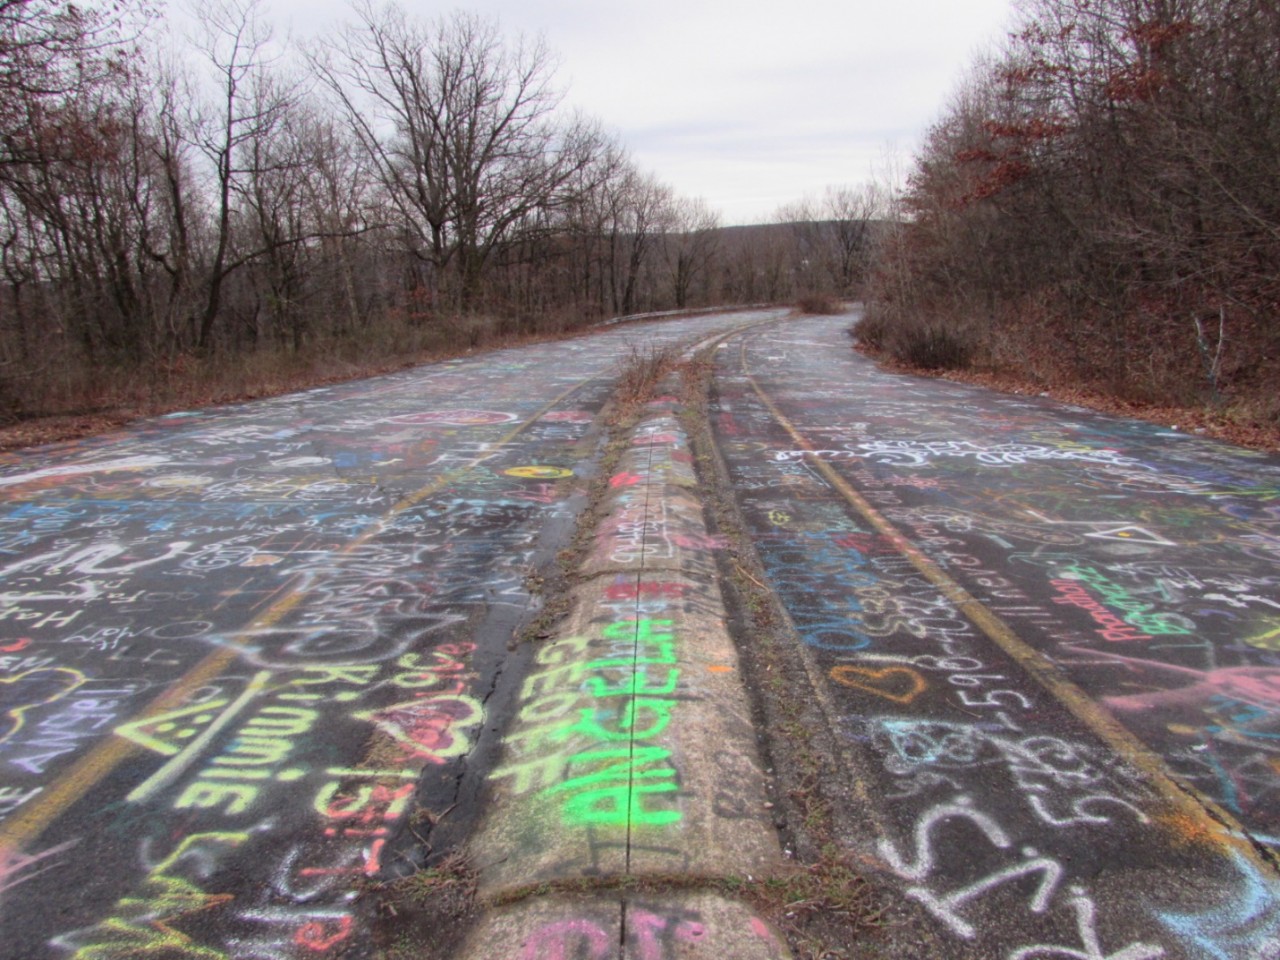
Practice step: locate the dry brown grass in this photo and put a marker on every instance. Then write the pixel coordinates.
(68, 399)
(1250, 423)
(1142, 369)
(640, 371)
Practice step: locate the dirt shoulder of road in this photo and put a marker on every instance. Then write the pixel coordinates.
(58, 428)
(1254, 434)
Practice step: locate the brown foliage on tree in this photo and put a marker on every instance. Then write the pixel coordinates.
(1100, 201)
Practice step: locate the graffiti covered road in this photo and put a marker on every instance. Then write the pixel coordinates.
(1047, 641)
(255, 659)
(253, 656)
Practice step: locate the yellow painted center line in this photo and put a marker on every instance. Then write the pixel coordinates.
(18, 830)
(1184, 799)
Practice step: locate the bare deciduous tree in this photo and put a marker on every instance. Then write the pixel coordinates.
(690, 245)
(462, 128)
(233, 130)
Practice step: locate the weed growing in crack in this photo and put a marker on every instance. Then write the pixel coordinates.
(640, 372)
(427, 913)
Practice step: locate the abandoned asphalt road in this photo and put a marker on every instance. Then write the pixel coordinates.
(206, 619)
(253, 658)
(1046, 641)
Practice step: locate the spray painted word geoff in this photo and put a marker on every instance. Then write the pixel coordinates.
(596, 759)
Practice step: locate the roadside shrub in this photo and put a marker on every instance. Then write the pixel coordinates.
(928, 343)
(871, 331)
(931, 345)
(820, 304)
(642, 368)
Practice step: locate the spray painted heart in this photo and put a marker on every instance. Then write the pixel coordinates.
(899, 684)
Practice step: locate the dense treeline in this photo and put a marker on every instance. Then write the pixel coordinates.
(172, 207)
(1100, 203)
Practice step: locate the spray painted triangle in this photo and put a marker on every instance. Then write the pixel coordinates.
(168, 733)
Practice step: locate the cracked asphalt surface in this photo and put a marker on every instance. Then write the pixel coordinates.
(254, 659)
(256, 656)
(1045, 640)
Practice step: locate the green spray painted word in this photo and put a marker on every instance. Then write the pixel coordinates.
(1133, 610)
(606, 784)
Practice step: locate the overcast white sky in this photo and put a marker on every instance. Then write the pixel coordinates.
(748, 104)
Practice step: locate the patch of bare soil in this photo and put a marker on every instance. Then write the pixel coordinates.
(427, 914)
(34, 433)
(1254, 434)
